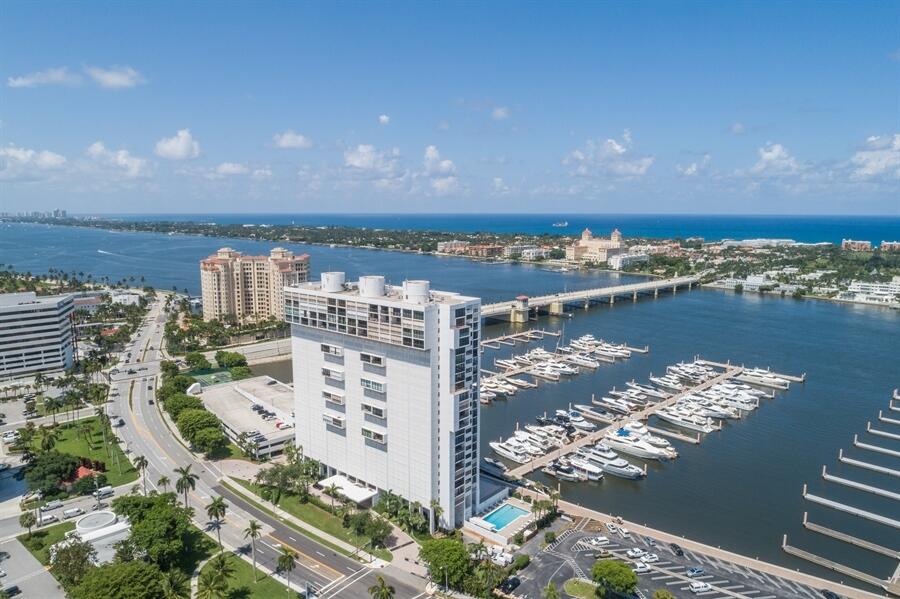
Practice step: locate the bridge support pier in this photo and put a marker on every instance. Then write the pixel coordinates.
(634, 296)
(518, 315)
(612, 300)
(587, 304)
(556, 308)
(689, 285)
(674, 289)
(656, 293)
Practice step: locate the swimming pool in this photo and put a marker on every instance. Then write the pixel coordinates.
(503, 515)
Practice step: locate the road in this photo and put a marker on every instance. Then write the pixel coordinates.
(145, 433)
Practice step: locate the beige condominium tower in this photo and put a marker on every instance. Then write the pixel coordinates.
(249, 288)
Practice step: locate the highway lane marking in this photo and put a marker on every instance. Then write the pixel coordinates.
(346, 583)
(317, 562)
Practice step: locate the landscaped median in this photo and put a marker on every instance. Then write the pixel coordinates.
(583, 589)
(241, 583)
(316, 517)
(38, 542)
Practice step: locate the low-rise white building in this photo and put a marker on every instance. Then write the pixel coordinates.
(452, 247)
(873, 293)
(621, 261)
(35, 333)
(535, 253)
(517, 249)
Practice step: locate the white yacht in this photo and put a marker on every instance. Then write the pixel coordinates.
(582, 360)
(584, 467)
(525, 447)
(563, 472)
(543, 372)
(562, 368)
(607, 460)
(536, 440)
(640, 430)
(614, 404)
(686, 420)
(667, 382)
(626, 442)
(552, 438)
(648, 390)
(510, 453)
(508, 364)
(589, 410)
(577, 420)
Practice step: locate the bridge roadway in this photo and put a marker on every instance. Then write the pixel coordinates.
(500, 308)
(595, 436)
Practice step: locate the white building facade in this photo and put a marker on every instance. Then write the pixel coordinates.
(386, 387)
(35, 333)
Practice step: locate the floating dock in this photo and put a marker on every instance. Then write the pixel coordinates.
(867, 465)
(849, 509)
(879, 433)
(875, 448)
(840, 536)
(859, 486)
(886, 420)
(837, 567)
(521, 337)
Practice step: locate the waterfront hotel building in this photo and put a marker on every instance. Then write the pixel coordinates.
(35, 333)
(386, 388)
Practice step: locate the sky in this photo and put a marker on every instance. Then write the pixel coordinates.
(619, 107)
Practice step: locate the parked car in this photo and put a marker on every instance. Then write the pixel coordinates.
(612, 528)
(676, 549)
(694, 572)
(510, 584)
(635, 552)
(700, 587)
(12, 591)
(48, 519)
(650, 558)
(51, 505)
(829, 594)
(72, 512)
(597, 541)
(640, 568)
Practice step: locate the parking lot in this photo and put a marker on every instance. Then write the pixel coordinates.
(576, 550)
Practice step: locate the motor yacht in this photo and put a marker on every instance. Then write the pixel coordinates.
(640, 430)
(667, 382)
(537, 441)
(510, 453)
(496, 464)
(563, 472)
(592, 411)
(614, 404)
(508, 364)
(543, 372)
(582, 360)
(686, 420)
(610, 462)
(648, 390)
(525, 447)
(583, 467)
(562, 368)
(626, 442)
(578, 421)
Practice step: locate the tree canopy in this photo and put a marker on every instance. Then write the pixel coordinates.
(614, 575)
(126, 580)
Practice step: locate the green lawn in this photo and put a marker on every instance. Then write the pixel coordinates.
(321, 519)
(242, 585)
(199, 546)
(71, 441)
(210, 376)
(580, 589)
(40, 541)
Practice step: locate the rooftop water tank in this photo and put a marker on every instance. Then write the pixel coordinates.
(333, 282)
(416, 291)
(371, 286)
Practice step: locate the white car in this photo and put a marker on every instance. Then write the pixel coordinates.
(598, 541)
(650, 558)
(640, 568)
(624, 532)
(699, 587)
(635, 552)
(10, 436)
(611, 528)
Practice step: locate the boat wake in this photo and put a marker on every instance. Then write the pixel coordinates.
(111, 253)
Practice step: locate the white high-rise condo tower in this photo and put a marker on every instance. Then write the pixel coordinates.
(386, 387)
(35, 333)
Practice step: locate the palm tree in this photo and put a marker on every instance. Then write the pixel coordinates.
(187, 481)
(48, 437)
(550, 591)
(141, 463)
(174, 584)
(216, 512)
(381, 589)
(27, 520)
(287, 563)
(253, 532)
(222, 568)
(210, 586)
(164, 482)
(52, 405)
(332, 490)
(436, 511)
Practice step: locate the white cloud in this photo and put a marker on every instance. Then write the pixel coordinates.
(261, 173)
(290, 139)
(610, 157)
(499, 186)
(500, 113)
(180, 147)
(54, 76)
(115, 77)
(880, 157)
(435, 165)
(775, 160)
(23, 164)
(444, 185)
(231, 168)
(694, 168)
(384, 119)
(366, 157)
(738, 128)
(120, 160)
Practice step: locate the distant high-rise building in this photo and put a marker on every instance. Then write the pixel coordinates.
(249, 288)
(35, 333)
(386, 389)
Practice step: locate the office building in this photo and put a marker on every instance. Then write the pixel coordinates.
(386, 389)
(35, 333)
(620, 261)
(249, 288)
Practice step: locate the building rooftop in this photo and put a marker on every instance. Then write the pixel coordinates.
(233, 404)
(374, 288)
(29, 298)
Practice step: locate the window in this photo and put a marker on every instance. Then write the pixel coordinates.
(332, 350)
(331, 373)
(375, 411)
(373, 385)
(333, 397)
(373, 435)
(372, 359)
(333, 420)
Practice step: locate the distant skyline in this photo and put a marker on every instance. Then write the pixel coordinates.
(640, 108)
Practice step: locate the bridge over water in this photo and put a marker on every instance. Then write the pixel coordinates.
(521, 308)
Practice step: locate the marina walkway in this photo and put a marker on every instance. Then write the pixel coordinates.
(595, 436)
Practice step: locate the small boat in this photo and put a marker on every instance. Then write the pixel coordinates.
(584, 467)
(607, 460)
(648, 390)
(667, 382)
(564, 472)
(686, 420)
(578, 420)
(560, 224)
(614, 404)
(581, 360)
(597, 413)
